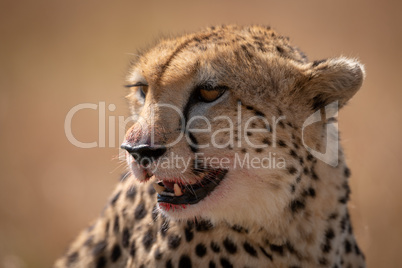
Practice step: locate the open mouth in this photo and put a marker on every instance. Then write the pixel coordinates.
(170, 192)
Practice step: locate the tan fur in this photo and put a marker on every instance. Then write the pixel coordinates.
(294, 216)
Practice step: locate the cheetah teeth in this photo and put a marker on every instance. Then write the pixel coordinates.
(158, 188)
(177, 190)
(162, 190)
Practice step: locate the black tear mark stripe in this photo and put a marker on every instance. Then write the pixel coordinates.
(178, 49)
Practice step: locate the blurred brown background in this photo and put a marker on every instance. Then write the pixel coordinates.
(57, 54)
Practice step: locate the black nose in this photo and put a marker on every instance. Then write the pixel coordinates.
(144, 154)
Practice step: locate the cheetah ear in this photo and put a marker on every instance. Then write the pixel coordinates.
(336, 79)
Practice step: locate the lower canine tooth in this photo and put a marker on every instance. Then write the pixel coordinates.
(177, 190)
(158, 188)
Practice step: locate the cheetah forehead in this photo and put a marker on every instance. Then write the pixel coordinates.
(187, 52)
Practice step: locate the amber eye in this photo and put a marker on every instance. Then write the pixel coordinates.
(211, 94)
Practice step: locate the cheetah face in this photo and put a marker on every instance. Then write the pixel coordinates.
(218, 120)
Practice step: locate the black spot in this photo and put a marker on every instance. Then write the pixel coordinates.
(292, 170)
(281, 124)
(295, 145)
(99, 248)
(293, 251)
(275, 248)
(229, 246)
(131, 192)
(72, 258)
(343, 224)
(116, 253)
(343, 200)
(132, 249)
(188, 234)
(148, 240)
(348, 246)
(266, 141)
(247, 52)
(313, 174)
(281, 143)
(173, 241)
(116, 226)
(310, 157)
(329, 234)
(200, 250)
(125, 238)
(250, 249)
(101, 262)
(305, 171)
(319, 101)
(140, 211)
(292, 188)
(169, 264)
(151, 190)
(279, 49)
(297, 205)
(115, 198)
(212, 264)
(225, 263)
(326, 246)
(203, 226)
(294, 154)
(184, 262)
(269, 256)
(311, 192)
(243, 150)
(239, 229)
(346, 172)
(333, 216)
(157, 254)
(249, 133)
(357, 250)
(323, 261)
(317, 62)
(258, 113)
(215, 247)
(259, 150)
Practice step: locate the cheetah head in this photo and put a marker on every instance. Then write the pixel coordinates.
(219, 118)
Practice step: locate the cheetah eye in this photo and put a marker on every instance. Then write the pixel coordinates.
(140, 88)
(209, 94)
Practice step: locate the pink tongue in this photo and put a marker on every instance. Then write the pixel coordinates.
(169, 185)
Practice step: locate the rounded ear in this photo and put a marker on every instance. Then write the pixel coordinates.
(331, 80)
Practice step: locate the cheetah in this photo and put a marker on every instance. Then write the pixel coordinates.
(223, 170)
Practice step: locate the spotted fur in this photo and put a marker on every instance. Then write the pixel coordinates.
(294, 216)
